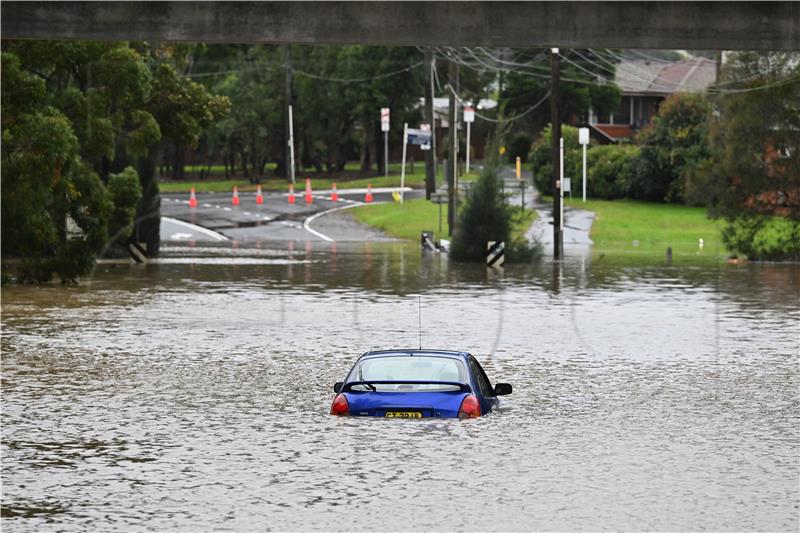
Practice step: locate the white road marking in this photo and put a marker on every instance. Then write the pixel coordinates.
(206, 205)
(307, 222)
(196, 228)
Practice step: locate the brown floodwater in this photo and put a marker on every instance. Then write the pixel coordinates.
(193, 394)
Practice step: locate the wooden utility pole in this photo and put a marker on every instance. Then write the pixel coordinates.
(287, 60)
(555, 133)
(451, 141)
(430, 163)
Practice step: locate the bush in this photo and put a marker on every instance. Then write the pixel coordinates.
(675, 143)
(486, 217)
(763, 238)
(541, 160)
(609, 170)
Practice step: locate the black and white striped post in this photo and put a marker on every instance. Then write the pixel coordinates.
(495, 254)
(138, 252)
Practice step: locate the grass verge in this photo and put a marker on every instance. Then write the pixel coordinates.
(409, 219)
(634, 231)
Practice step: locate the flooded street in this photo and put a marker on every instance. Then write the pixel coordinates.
(193, 394)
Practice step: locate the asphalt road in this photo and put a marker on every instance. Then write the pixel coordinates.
(216, 219)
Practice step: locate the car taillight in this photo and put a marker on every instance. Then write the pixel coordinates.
(470, 408)
(339, 406)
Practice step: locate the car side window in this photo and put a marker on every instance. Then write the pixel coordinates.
(480, 376)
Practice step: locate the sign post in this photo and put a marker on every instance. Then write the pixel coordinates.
(422, 138)
(403, 165)
(385, 130)
(469, 118)
(561, 188)
(291, 144)
(583, 139)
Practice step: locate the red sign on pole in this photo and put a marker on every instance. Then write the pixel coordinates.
(469, 114)
(384, 119)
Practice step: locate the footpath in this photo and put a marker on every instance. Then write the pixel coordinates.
(577, 222)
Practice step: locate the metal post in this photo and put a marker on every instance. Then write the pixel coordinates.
(468, 128)
(430, 155)
(555, 133)
(291, 144)
(403, 166)
(287, 59)
(385, 154)
(451, 133)
(584, 173)
(561, 189)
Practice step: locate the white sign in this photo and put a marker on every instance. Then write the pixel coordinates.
(425, 128)
(384, 119)
(566, 185)
(469, 114)
(583, 136)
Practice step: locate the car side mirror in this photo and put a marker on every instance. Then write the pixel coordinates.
(337, 387)
(501, 389)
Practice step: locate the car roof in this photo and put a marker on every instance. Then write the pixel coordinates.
(400, 351)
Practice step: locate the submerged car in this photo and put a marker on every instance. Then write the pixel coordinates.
(416, 384)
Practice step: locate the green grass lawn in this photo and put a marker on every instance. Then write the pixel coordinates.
(409, 219)
(416, 180)
(629, 230)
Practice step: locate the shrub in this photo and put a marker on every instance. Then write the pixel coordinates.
(541, 160)
(763, 238)
(486, 217)
(674, 144)
(609, 170)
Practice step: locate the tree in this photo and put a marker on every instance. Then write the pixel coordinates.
(486, 217)
(753, 176)
(55, 210)
(673, 145)
(586, 81)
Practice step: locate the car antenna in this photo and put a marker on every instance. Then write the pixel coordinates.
(419, 307)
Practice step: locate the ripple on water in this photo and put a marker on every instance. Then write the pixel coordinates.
(196, 398)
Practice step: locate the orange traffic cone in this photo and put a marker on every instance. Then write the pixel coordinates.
(291, 194)
(259, 196)
(309, 199)
(192, 199)
(368, 197)
(235, 199)
(334, 194)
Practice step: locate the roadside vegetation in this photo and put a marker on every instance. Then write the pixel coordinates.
(734, 152)
(409, 219)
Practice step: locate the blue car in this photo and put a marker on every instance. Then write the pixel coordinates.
(416, 384)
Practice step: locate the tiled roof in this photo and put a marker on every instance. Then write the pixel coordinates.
(664, 77)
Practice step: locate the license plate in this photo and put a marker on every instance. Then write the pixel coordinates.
(403, 414)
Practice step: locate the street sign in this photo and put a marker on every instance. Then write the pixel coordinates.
(583, 136)
(566, 186)
(384, 119)
(439, 198)
(425, 128)
(469, 114)
(419, 137)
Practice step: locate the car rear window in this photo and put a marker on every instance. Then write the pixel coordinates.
(409, 368)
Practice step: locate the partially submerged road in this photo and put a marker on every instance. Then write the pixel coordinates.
(216, 219)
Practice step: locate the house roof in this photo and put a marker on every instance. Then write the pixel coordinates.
(662, 78)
